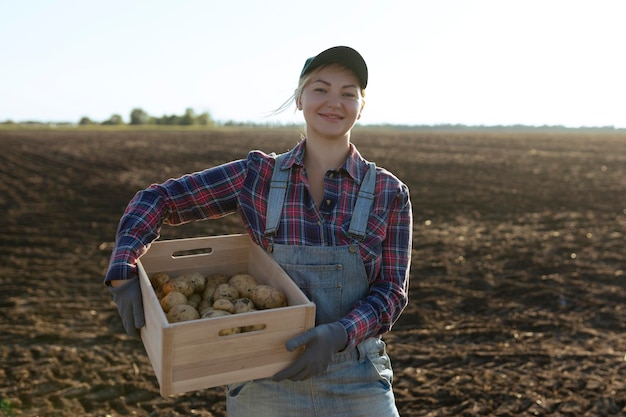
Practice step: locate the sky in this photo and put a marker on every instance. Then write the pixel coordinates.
(431, 62)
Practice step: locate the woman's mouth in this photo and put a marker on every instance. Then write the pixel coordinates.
(331, 116)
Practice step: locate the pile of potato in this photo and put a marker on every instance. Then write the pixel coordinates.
(193, 296)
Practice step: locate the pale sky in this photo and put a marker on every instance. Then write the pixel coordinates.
(474, 62)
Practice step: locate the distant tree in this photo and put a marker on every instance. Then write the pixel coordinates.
(168, 120)
(85, 121)
(139, 117)
(189, 117)
(114, 120)
(204, 119)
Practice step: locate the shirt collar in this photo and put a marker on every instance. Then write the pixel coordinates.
(354, 165)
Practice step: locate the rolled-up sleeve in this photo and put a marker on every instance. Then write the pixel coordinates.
(211, 193)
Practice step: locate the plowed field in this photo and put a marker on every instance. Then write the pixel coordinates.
(518, 283)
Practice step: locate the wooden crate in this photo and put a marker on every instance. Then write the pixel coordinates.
(191, 355)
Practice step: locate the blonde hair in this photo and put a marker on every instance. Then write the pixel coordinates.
(304, 80)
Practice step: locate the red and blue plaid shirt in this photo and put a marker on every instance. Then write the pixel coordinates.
(242, 186)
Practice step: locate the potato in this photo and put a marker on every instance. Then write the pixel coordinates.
(186, 284)
(265, 296)
(216, 279)
(211, 312)
(218, 313)
(244, 283)
(211, 283)
(253, 328)
(194, 300)
(232, 330)
(196, 280)
(159, 293)
(172, 299)
(224, 304)
(204, 306)
(183, 286)
(226, 291)
(243, 305)
(158, 280)
(182, 312)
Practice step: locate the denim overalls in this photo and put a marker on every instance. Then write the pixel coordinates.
(358, 381)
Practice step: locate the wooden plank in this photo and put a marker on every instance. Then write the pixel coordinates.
(226, 252)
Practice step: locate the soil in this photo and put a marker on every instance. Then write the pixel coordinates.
(518, 286)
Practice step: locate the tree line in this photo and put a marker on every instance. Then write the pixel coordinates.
(139, 117)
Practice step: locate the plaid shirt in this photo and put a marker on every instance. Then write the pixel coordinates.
(242, 186)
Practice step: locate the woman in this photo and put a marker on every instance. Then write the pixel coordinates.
(340, 227)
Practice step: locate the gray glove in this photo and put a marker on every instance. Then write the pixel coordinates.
(127, 297)
(320, 344)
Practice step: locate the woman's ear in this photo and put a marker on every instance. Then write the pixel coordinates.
(297, 99)
(360, 110)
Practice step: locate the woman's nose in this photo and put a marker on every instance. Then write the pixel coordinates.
(333, 100)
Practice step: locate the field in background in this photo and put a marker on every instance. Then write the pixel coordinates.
(517, 299)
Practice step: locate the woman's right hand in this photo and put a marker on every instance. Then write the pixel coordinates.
(127, 297)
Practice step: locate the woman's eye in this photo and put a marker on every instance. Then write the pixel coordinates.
(320, 90)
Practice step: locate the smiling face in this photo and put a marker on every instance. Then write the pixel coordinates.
(331, 102)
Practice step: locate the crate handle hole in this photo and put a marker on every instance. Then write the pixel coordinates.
(246, 329)
(192, 252)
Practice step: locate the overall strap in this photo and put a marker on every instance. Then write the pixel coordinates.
(278, 189)
(276, 198)
(363, 205)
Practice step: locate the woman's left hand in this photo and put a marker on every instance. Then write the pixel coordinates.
(320, 345)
